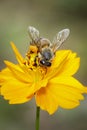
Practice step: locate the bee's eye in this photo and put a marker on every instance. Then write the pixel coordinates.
(42, 62)
(45, 63)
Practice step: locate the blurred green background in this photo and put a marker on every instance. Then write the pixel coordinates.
(49, 17)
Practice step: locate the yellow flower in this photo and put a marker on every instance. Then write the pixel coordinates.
(52, 87)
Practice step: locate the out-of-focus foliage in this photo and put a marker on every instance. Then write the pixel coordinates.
(49, 17)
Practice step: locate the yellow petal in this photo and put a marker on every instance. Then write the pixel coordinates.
(68, 95)
(16, 91)
(64, 63)
(59, 57)
(19, 100)
(60, 93)
(5, 74)
(46, 100)
(68, 104)
(69, 81)
(66, 92)
(14, 80)
(71, 65)
(58, 62)
(18, 72)
(38, 80)
(18, 55)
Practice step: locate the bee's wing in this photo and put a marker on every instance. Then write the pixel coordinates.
(59, 39)
(33, 33)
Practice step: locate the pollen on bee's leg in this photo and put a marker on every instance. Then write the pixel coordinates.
(33, 49)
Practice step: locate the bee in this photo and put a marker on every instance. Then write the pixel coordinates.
(47, 49)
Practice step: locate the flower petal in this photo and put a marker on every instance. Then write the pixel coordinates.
(60, 56)
(57, 64)
(16, 91)
(64, 63)
(54, 95)
(70, 65)
(69, 81)
(46, 100)
(18, 55)
(5, 74)
(18, 72)
(64, 92)
(14, 81)
(19, 100)
(68, 94)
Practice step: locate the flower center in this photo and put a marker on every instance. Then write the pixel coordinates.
(32, 60)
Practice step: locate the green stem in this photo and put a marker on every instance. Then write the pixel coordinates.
(37, 117)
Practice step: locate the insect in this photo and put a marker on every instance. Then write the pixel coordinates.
(47, 49)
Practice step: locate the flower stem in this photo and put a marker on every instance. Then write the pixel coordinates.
(37, 117)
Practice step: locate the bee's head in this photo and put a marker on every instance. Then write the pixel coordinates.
(46, 54)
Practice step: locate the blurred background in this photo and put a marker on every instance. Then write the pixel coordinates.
(48, 17)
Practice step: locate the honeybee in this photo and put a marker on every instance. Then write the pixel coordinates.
(47, 49)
